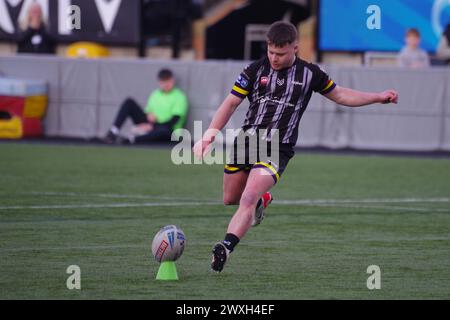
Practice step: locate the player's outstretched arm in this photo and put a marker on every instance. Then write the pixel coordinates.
(354, 98)
(220, 119)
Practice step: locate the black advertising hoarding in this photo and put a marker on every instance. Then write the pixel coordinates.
(114, 22)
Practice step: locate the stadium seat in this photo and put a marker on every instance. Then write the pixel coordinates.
(11, 128)
(22, 104)
(87, 50)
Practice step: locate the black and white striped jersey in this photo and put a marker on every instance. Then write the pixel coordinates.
(279, 98)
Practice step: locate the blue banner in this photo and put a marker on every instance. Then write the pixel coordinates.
(380, 25)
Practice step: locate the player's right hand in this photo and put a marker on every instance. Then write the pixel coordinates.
(389, 96)
(201, 148)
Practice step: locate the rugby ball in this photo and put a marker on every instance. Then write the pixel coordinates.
(168, 244)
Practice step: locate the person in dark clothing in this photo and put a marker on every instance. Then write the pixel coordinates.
(278, 88)
(35, 38)
(443, 50)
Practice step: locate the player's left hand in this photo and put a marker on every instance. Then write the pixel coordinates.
(389, 96)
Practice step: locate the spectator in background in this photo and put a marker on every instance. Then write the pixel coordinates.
(35, 38)
(443, 50)
(412, 56)
(165, 112)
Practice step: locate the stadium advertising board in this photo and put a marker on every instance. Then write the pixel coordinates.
(102, 21)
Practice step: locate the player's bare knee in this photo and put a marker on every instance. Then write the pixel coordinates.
(230, 201)
(249, 199)
(231, 198)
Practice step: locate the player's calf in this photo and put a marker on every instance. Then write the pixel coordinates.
(263, 203)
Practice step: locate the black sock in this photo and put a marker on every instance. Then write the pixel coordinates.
(230, 241)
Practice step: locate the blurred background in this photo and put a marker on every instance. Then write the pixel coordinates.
(97, 53)
(330, 31)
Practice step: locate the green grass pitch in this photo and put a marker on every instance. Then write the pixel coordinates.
(332, 217)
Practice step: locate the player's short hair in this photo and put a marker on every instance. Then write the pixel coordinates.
(413, 32)
(165, 74)
(282, 33)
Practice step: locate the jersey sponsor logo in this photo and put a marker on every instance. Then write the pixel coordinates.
(263, 81)
(280, 82)
(267, 99)
(242, 82)
(297, 83)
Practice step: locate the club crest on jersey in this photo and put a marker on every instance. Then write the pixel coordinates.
(242, 82)
(263, 81)
(280, 82)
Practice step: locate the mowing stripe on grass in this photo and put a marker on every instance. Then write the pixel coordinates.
(381, 200)
(346, 203)
(204, 243)
(180, 202)
(94, 247)
(389, 208)
(103, 195)
(109, 205)
(278, 201)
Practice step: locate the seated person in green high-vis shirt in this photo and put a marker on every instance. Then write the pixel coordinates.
(165, 112)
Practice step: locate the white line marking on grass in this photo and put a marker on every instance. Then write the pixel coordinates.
(273, 243)
(388, 208)
(103, 195)
(104, 247)
(278, 201)
(343, 201)
(111, 205)
(178, 202)
(288, 202)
